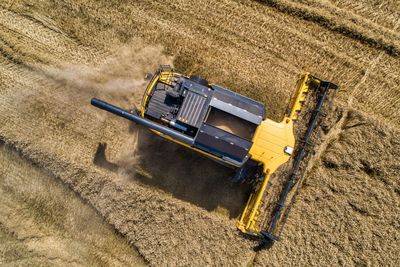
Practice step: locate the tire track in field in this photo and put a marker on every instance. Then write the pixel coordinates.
(29, 42)
(382, 13)
(371, 18)
(337, 129)
(364, 37)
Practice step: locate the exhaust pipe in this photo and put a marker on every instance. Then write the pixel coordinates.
(142, 121)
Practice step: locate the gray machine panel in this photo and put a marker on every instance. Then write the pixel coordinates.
(161, 104)
(222, 143)
(195, 87)
(195, 103)
(234, 110)
(191, 109)
(237, 100)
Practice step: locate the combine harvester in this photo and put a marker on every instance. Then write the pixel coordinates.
(233, 130)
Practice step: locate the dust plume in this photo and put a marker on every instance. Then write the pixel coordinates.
(118, 77)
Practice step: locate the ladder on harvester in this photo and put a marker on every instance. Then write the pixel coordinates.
(166, 73)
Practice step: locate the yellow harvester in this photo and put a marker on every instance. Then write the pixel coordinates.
(231, 129)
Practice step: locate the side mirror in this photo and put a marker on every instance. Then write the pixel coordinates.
(148, 77)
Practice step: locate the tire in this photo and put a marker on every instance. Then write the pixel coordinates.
(199, 80)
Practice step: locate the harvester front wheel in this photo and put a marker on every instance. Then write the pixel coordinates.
(251, 173)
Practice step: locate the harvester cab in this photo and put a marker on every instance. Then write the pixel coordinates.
(231, 129)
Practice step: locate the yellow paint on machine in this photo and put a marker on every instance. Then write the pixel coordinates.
(269, 142)
(147, 94)
(273, 145)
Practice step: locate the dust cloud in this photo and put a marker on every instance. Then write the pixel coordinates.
(118, 77)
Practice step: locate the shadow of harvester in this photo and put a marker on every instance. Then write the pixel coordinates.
(184, 173)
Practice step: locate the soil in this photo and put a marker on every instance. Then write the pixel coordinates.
(81, 187)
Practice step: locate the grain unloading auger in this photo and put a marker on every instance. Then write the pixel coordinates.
(231, 129)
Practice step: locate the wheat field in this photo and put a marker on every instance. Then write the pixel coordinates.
(79, 187)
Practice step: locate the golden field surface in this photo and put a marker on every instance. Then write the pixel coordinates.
(81, 187)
